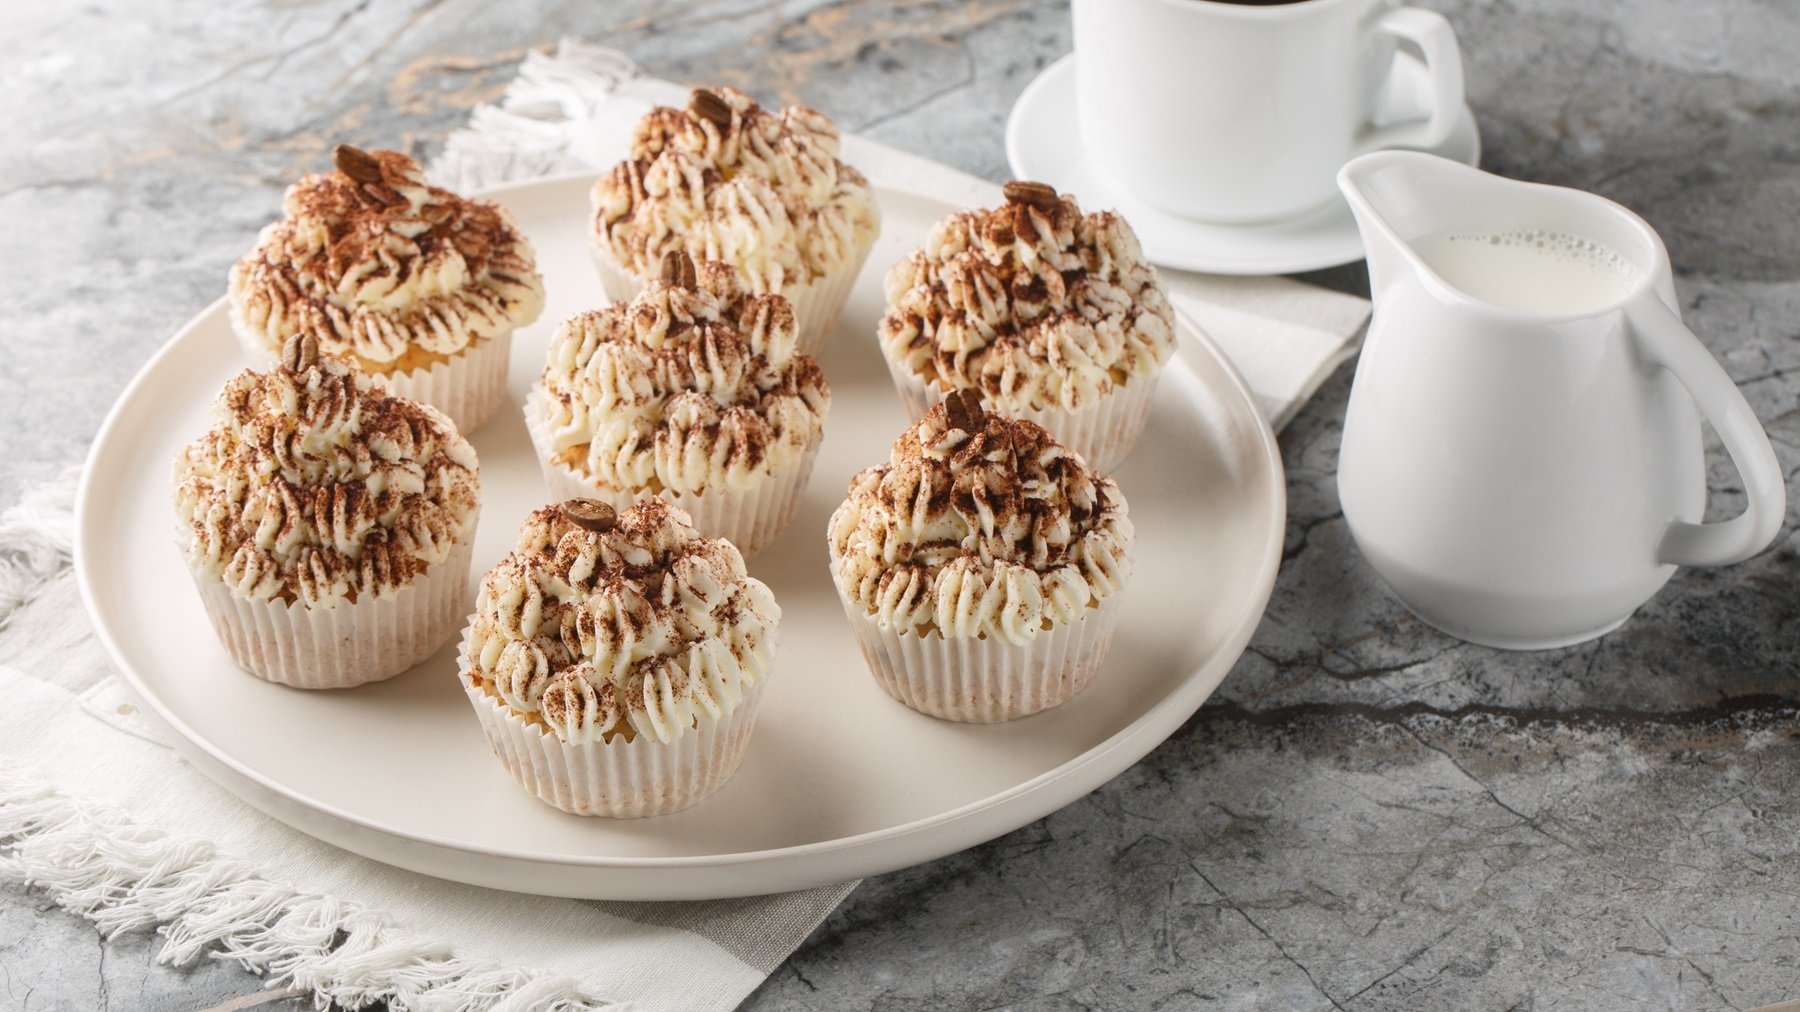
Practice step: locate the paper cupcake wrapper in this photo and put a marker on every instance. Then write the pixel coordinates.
(1102, 433)
(749, 518)
(336, 648)
(818, 304)
(619, 284)
(986, 680)
(468, 388)
(621, 779)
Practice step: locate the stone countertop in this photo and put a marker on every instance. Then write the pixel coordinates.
(1367, 814)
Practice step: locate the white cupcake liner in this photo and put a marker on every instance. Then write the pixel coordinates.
(1103, 433)
(818, 304)
(468, 388)
(619, 779)
(619, 284)
(749, 518)
(343, 646)
(985, 680)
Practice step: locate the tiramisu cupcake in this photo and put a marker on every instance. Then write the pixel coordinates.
(691, 391)
(981, 565)
(725, 179)
(328, 523)
(1045, 312)
(408, 281)
(616, 659)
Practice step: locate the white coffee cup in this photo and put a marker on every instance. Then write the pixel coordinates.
(1238, 113)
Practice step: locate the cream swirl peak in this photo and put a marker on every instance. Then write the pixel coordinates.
(979, 525)
(1033, 303)
(601, 625)
(693, 385)
(725, 179)
(374, 262)
(315, 486)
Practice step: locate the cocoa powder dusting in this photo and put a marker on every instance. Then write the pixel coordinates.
(634, 570)
(995, 473)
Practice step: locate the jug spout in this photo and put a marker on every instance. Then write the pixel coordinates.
(1402, 197)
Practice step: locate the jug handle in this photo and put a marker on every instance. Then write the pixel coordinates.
(1431, 32)
(1669, 343)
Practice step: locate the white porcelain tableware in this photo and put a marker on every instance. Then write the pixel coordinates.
(1521, 459)
(399, 771)
(1039, 145)
(1238, 112)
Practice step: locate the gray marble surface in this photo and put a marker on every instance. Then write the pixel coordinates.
(1368, 814)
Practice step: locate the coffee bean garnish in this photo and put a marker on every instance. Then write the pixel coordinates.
(1040, 195)
(963, 410)
(357, 164)
(678, 270)
(299, 353)
(710, 107)
(590, 514)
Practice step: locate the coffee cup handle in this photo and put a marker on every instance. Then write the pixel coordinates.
(1443, 65)
(1668, 342)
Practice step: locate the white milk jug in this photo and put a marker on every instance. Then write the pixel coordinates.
(1522, 461)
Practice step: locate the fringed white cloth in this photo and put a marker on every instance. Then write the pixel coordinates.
(129, 877)
(543, 125)
(37, 538)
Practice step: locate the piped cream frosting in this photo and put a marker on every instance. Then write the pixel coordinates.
(635, 627)
(693, 385)
(384, 268)
(979, 525)
(726, 179)
(1033, 304)
(316, 487)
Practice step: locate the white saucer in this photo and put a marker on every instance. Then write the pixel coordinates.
(1042, 144)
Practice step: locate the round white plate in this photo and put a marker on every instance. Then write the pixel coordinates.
(840, 780)
(1042, 143)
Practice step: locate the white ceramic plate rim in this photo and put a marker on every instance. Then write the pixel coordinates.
(1003, 811)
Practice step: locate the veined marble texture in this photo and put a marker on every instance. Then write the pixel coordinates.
(1368, 814)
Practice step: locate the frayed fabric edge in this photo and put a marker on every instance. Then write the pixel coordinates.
(125, 877)
(536, 130)
(37, 540)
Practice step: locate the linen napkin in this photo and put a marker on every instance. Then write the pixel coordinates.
(98, 811)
